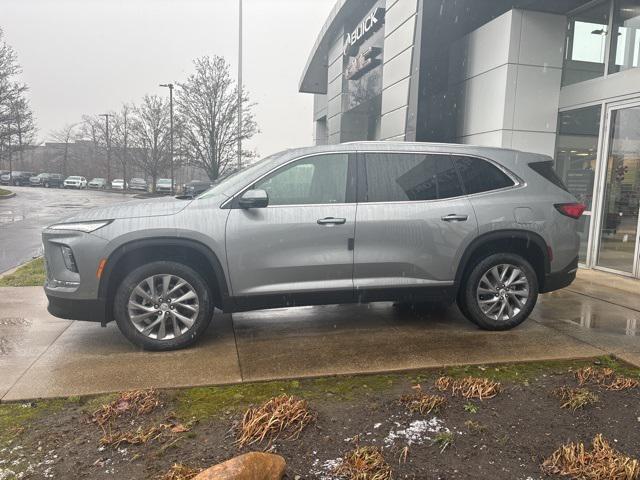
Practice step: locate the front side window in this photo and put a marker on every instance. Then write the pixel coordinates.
(481, 176)
(321, 179)
(401, 177)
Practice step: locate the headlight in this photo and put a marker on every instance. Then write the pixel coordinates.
(86, 227)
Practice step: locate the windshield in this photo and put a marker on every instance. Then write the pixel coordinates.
(221, 185)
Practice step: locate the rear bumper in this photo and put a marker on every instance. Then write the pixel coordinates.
(561, 279)
(70, 309)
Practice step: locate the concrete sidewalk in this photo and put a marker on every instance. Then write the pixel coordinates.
(41, 356)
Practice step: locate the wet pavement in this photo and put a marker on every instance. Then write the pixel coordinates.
(23, 217)
(41, 356)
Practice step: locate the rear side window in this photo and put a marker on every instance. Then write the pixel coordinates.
(546, 170)
(402, 177)
(481, 176)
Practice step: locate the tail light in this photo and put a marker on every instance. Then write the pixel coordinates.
(572, 210)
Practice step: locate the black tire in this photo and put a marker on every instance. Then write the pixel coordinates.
(468, 302)
(194, 279)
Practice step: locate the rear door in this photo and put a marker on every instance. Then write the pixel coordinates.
(302, 243)
(413, 221)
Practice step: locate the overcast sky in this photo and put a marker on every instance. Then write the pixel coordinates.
(88, 56)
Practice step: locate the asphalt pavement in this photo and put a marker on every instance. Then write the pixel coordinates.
(23, 217)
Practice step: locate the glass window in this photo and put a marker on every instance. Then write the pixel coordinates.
(398, 177)
(315, 180)
(586, 45)
(625, 42)
(480, 176)
(577, 150)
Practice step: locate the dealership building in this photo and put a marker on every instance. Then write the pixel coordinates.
(558, 77)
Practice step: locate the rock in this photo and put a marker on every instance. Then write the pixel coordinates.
(250, 466)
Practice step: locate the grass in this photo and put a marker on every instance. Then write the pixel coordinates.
(28, 275)
(443, 440)
(423, 403)
(364, 463)
(4, 192)
(209, 402)
(469, 387)
(576, 398)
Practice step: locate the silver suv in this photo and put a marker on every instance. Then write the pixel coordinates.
(359, 222)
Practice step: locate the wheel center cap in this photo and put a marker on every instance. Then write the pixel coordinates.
(164, 307)
(502, 292)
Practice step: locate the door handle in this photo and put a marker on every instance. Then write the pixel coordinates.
(455, 218)
(332, 221)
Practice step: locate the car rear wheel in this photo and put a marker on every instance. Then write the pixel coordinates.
(163, 306)
(500, 292)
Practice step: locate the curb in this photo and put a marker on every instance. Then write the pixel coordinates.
(14, 269)
(11, 195)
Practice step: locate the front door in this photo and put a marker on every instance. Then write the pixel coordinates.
(302, 242)
(618, 232)
(413, 222)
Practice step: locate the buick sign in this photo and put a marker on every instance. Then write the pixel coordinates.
(370, 24)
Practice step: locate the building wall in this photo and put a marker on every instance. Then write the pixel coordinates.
(399, 51)
(504, 81)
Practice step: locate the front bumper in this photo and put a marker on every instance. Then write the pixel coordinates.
(72, 309)
(561, 279)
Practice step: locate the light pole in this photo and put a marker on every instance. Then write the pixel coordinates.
(240, 87)
(106, 118)
(170, 87)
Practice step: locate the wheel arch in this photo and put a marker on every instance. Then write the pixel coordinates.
(138, 252)
(528, 244)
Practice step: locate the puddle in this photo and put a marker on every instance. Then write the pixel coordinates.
(612, 322)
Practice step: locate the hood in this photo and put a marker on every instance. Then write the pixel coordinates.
(154, 207)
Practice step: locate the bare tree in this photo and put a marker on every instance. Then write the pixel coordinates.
(17, 127)
(65, 136)
(208, 106)
(93, 129)
(120, 138)
(150, 133)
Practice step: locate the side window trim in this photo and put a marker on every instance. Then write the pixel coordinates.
(351, 186)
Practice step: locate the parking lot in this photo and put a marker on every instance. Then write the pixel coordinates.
(42, 356)
(23, 217)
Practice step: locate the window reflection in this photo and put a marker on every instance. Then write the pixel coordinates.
(586, 45)
(625, 42)
(577, 150)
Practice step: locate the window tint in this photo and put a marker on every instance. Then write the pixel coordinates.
(320, 179)
(480, 176)
(546, 170)
(397, 177)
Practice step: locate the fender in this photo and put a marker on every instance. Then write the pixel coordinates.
(503, 235)
(118, 253)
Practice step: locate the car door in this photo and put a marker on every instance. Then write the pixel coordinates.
(301, 244)
(413, 222)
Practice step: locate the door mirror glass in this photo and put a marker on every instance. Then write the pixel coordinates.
(254, 199)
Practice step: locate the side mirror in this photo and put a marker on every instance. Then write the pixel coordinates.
(254, 199)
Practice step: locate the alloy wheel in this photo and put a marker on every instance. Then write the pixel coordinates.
(163, 307)
(503, 291)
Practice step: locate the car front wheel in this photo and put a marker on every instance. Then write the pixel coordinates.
(163, 305)
(500, 292)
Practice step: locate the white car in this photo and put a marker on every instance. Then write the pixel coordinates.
(163, 185)
(75, 182)
(98, 183)
(118, 184)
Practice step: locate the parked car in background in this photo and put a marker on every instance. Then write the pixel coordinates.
(359, 222)
(51, 180)
(138, 184)
(4, 173)
(37, 180)
(118, 184)
(163, 185)
(16, 178)
(75, 182)
(97, 183)
(196, 187)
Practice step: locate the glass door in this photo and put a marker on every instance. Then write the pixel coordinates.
(618, 233)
